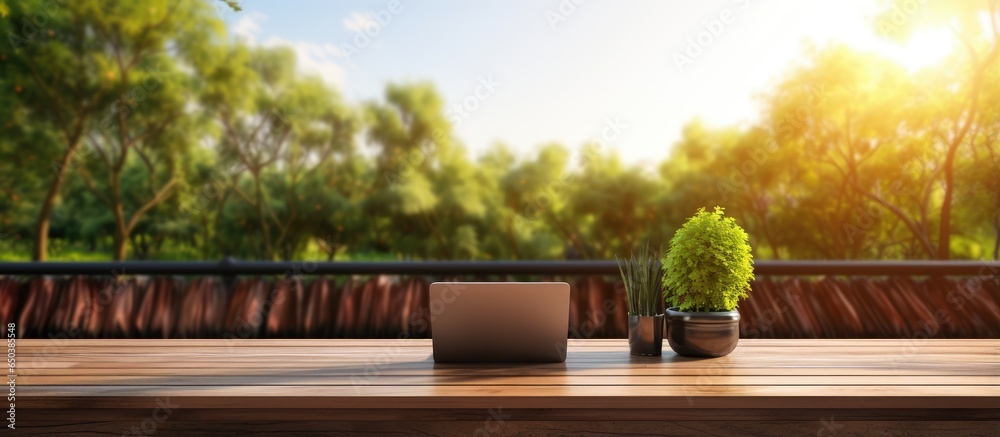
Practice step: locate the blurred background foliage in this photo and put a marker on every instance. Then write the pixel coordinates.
(141, 130)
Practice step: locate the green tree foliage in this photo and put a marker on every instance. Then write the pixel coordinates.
(962, 114)
(141, 130)
(90, 72)
(290, 134)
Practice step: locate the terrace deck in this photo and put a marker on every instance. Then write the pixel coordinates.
(783, 387)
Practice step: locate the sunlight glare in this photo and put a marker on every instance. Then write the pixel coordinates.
(924, 48)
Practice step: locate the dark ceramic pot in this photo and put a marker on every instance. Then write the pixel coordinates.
(709, 334)
(645, 335)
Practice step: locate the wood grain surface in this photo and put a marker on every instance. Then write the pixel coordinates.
(770, 386)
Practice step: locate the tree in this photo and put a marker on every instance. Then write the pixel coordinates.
(981, 43)
(612, 206)
(283, 130)
(81, 72)
(411, 133)
(542, 193)
(857, 116)
(516, 195)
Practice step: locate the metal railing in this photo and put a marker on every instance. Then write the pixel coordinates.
(232, 267)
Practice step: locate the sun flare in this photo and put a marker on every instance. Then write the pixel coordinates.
(924, 48)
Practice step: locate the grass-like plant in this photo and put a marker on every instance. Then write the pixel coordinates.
(709, 265)
(641, 275)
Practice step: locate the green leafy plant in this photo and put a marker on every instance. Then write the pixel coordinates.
(641, 275)
(709, 265)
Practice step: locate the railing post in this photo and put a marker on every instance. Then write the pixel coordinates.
(227, 270)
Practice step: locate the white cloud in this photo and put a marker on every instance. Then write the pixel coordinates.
(357, 21)
(311, 58)
(249, 26)
(314, 59)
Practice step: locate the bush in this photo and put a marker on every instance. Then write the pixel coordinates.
(708, 266)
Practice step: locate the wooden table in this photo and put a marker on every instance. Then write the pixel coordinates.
(776, 387)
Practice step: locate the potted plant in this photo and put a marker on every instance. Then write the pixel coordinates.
(707, 270)
(641, 276)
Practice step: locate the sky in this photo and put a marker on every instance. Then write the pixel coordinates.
(526, 73)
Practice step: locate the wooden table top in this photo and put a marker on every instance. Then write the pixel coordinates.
(400, 374)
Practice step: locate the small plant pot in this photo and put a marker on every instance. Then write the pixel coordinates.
(645, 335)
(708, 334)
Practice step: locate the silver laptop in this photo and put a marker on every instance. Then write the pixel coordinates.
(499, 322)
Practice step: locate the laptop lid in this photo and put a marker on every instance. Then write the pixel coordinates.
(499, 322)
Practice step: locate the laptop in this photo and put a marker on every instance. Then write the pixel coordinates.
(499, 322)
